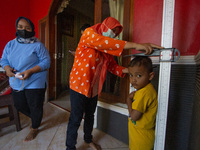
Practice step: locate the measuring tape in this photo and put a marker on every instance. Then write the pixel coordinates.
(164, 75)
(165, 55)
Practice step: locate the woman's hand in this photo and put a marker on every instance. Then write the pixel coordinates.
(9, 71)
(25, 74)
(125, 70)
(147, 47)
(72, 52)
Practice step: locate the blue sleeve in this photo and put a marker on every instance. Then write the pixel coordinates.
(44, 58)
(4, 58)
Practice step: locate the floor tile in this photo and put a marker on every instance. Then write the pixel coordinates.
(52, 134)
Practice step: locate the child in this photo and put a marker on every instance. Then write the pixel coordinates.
(142, 104)
(82, 29)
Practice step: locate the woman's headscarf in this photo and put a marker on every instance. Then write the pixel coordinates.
(29, 21)
(110, 23)
(32, 39)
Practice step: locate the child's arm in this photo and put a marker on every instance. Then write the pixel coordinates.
(135, 115)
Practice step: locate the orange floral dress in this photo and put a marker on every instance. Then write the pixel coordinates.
(89, 56)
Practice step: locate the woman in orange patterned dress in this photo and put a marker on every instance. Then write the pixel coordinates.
(94, 56)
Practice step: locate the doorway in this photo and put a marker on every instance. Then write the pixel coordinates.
(60, 42)
(69, 19)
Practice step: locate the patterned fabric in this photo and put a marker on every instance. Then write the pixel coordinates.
(27, 40)
(91, 53)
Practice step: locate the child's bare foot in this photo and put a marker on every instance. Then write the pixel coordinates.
(32, 134)
(95, 146)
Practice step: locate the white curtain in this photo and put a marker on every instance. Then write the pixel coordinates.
(117, 11)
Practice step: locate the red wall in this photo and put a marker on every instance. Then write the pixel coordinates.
(148, 24)
(11, 10)
(38, 10)
(147, 21)
(187, 26)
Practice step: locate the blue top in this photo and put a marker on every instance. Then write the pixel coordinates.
(22, 57)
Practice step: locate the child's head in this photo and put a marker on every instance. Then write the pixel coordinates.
(140, 71)
(85, 26)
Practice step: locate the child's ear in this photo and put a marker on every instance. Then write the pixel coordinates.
(151, 75)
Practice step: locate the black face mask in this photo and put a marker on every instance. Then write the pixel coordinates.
(25, 34)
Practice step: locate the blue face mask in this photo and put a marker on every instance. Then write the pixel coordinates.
(109, 33)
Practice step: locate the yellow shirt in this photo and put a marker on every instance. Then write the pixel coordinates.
(142, 132)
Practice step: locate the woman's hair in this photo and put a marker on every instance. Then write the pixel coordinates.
(142, 61)
(85, 26)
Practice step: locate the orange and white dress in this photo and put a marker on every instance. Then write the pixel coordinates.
(89, 60)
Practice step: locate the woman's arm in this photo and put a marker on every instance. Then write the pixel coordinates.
(112, 46)
(29, 72)
(146, 47)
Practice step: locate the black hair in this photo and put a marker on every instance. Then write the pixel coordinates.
(142, 61)
(85, 26)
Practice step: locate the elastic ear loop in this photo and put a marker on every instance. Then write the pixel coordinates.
(105, 26)
(21, 86)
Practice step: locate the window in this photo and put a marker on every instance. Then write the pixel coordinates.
(115, 88)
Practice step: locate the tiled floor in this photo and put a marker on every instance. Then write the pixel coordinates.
(52, 134)
(63, 101)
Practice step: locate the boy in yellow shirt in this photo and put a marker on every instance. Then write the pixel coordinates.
(142, 104)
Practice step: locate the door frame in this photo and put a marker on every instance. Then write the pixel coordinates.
(127, 36)
(43, 37)
(53, 47)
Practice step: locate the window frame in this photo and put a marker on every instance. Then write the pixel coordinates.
(127, 36)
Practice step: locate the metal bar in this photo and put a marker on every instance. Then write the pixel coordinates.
(164, 76)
